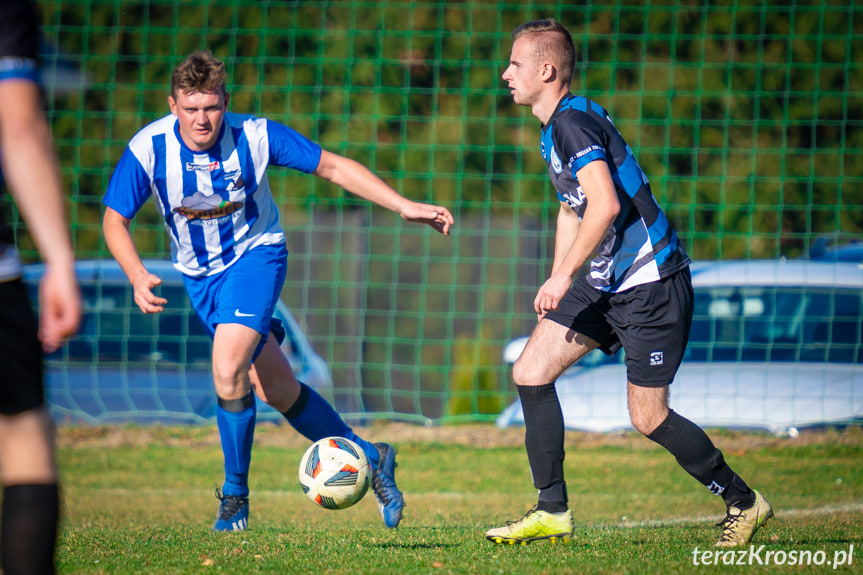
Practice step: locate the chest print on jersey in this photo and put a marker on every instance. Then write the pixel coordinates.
(201, 207)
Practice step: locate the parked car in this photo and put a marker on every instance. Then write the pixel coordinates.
(825, 250)
(124, 365)
(774, 345)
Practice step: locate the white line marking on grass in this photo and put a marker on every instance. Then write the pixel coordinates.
(780, 514)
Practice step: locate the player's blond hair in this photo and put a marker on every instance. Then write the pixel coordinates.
(199, 72)
(552, 42)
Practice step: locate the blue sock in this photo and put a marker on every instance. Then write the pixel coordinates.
(236, 420)
(315, 419)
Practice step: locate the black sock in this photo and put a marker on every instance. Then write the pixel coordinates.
(237, 405)
(29, 529)
(701, 459)
(543, 438)
(738, 494)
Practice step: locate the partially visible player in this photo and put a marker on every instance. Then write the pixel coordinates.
(206, 169)
(637, 295)
(28, 467)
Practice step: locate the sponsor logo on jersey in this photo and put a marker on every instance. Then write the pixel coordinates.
(208, 167)
(11, 65)
(588, 150)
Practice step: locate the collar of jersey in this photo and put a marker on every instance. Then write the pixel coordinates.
(566, 97)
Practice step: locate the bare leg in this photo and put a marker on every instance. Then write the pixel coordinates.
(550, 350)
(273, 379)
(648, 406)
(233, 346)
(27, 448)
(31, 501)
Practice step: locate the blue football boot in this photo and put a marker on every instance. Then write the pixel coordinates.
(390, 499)
(233, 512)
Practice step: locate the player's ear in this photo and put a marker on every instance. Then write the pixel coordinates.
(172, 103)
(227, 99)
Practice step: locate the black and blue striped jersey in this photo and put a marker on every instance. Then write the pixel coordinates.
(641, 246)
(19, 60)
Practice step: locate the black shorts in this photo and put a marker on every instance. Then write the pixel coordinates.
(21, 385)
(650, 321)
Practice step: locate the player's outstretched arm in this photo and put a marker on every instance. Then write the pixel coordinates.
(122, 247)
(360, 181)
(31, 171)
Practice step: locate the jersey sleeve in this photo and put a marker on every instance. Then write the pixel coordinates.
(579, 140)
(19, 40)
(291, 149)
(129, 187)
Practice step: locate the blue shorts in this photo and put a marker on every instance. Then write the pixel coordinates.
(245, 293)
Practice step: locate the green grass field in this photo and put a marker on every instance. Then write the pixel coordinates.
(140, 500)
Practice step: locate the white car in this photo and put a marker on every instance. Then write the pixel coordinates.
(775, 344)
(127, 366)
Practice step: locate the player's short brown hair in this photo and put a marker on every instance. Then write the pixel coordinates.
(552, 41)
(199, 72)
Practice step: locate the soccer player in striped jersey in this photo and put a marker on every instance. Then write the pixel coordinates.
(206, 170)
(637, 294)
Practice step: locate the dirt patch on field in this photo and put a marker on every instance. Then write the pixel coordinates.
(477, 435)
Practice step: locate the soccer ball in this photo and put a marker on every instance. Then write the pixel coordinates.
(334, 473)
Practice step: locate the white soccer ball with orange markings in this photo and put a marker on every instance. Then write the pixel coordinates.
(334, 473)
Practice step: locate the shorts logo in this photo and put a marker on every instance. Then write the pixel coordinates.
(656, 358)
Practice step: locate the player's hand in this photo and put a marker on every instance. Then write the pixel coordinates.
(59, 306)
(145, 298)
(437, 217)
(550, 294)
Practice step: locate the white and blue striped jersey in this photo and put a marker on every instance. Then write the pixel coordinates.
(216, 204)
(641, 246)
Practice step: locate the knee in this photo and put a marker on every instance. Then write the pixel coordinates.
(524, 374)
(27, 448)
(648, 407)
(646, 421)
(229, 377)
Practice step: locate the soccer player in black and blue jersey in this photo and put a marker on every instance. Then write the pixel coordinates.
(637, 295)
(28, 466)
